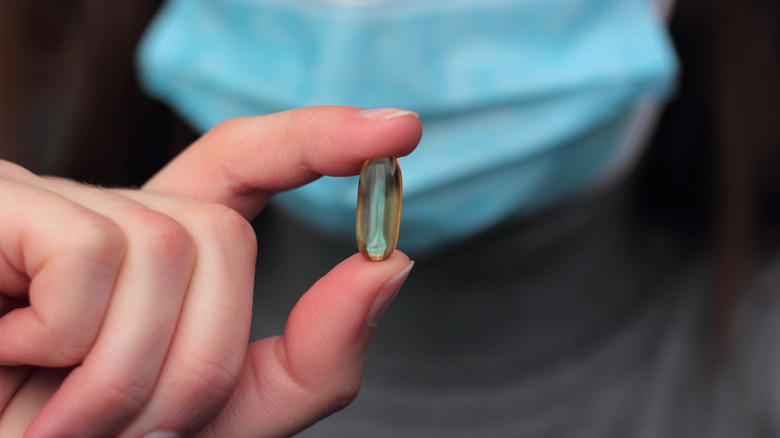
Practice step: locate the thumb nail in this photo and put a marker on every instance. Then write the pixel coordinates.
(386, 295)
(385, 113)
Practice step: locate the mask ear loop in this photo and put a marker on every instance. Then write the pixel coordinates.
(644, 118)
(640, 128)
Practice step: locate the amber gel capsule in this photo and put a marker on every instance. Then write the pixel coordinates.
(378, 208)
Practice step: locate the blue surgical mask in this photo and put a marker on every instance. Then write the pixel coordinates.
(524, 103)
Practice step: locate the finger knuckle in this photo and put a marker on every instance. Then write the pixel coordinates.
(124, 394)
(97, 238)
(97, 244)
(225, 125)
(227, 226)
(333, 390)
(210, 379)
(227, 129)
(68, 351)
(164, 239)
(11, 169)
(346, 393)
(333, 396)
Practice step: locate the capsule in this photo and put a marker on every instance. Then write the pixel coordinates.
(378, 208)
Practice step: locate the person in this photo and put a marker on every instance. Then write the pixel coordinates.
(584, 315)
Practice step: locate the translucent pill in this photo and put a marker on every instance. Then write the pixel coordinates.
(378, 208)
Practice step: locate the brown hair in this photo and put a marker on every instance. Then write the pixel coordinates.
(712, 171)
(70, 100)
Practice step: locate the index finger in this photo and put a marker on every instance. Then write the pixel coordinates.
(242, 162)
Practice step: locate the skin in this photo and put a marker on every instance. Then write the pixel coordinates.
(124, 312)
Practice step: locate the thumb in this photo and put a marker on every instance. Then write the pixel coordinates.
(242, 162)
(314, 369)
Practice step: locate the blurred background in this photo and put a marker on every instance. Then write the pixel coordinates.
(69, 103)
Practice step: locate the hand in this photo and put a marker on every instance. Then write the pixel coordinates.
(147, 294)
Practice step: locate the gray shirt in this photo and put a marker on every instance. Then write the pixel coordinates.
(583, 322)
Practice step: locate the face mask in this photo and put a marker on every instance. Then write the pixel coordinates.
(523, 103)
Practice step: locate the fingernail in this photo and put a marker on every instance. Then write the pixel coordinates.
(385, 113)
(162, 434)
(386, 295)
